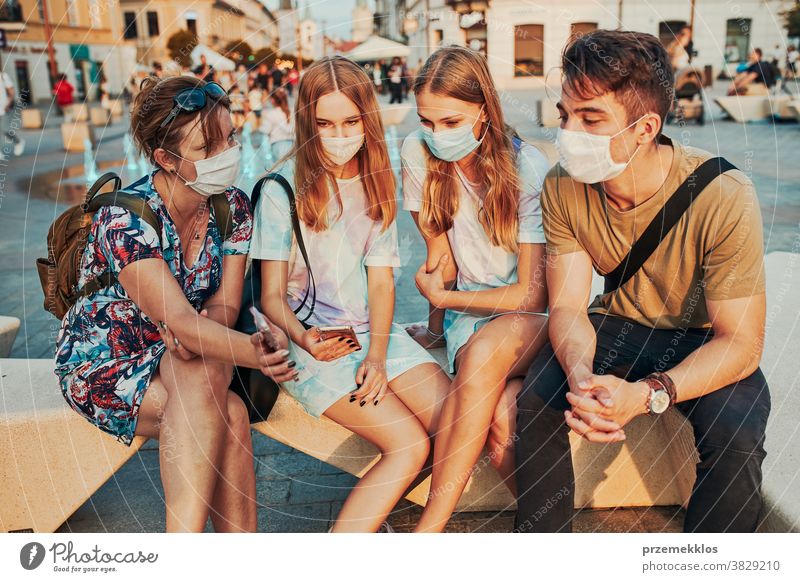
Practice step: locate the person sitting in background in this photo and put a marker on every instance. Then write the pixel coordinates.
(756, 79)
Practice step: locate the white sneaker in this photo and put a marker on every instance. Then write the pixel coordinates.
(19, 147)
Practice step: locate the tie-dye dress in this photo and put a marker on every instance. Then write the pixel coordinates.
(339, 256)
(481, 264)
(107, 349)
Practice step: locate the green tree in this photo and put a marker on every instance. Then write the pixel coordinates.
(238, 51)
(265, 55)
(180, 46)
(792, 19)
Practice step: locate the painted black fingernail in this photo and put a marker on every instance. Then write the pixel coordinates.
(375, 402)
(341, 339)
(363, 402)
(353, 398)
(292, 364)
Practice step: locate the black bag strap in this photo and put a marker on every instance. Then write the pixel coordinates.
(312, 285)
(665, 220)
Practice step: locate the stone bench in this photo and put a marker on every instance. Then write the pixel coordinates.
(654, 466)
(782, 345)
(74, 134)
(9, 326)
(99, 116)
(51, 459)
(744, 108)
(32, 118)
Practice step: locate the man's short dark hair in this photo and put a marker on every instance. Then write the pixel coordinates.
(632, 65)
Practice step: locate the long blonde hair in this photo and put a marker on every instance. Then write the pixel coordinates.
(312, 176)
(463, 74)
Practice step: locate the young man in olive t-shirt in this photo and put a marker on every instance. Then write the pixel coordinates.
(685, 330)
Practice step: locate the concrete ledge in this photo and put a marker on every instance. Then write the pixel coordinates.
(32, 118)
(99, 116)
(9, 326)
(51, 459)
(74, 133)
(744, 108)
(655, 466)
(781, 468)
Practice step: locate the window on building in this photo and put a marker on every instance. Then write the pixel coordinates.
(130, 25)
(737, 39)
(579, 29)
(10, 11)
(152, 23)
(529, 50)
(191, 21)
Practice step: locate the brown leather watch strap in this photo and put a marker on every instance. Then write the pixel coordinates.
(668, 385)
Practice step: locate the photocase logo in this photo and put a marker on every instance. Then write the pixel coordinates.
(31, 555)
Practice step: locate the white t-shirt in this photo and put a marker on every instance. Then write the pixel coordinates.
(256, 99)
(481, 265)
(276, 126)
(339, 255)
(5, 84)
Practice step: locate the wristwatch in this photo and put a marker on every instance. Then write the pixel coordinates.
(659, 399)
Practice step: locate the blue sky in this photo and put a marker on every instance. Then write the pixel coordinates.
(335, 13)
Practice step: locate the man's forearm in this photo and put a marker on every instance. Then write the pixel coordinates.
(720, 362)
(574, 341)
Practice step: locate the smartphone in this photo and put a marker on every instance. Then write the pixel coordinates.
(270, 343)
(345, 331)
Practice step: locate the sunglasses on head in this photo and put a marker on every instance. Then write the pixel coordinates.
(193, 100)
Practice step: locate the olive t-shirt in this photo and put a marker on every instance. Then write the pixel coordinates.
(715, 251)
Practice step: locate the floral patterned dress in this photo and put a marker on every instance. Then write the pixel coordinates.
(107, 349)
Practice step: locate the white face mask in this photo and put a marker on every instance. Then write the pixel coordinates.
(215, 174)
(587, 157)
(340, 150)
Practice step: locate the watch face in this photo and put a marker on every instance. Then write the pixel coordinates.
(659, 401)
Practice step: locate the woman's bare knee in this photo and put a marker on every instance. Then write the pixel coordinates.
(238, 420)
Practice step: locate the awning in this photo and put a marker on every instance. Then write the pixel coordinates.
(377, 47)
(213, 58)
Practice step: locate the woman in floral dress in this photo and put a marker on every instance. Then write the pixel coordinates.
(153, 353)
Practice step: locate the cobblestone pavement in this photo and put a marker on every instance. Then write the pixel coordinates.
(296, 492)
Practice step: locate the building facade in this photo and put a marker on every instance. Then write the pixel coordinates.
(148, 24)
(85, 39)
(523, 40)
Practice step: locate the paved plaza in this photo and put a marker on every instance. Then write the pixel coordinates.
(295, 492)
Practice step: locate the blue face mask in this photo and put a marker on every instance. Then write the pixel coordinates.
(454, 144)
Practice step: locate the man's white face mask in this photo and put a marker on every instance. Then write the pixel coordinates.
(587, 157)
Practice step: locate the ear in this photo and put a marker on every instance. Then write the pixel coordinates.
(164, 160)
(652, 125)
